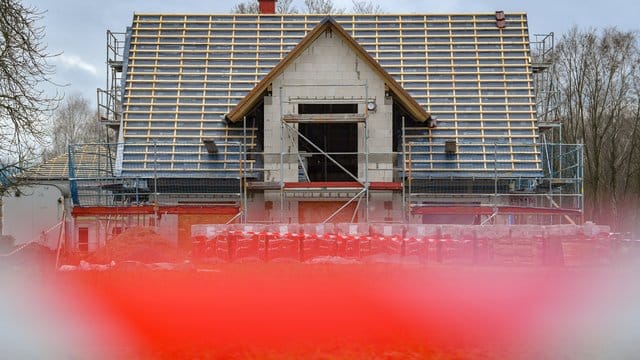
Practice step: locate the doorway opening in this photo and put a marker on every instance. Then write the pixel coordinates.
(331, 138)
(339, 140)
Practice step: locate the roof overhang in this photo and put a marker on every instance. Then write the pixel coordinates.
(412, 107)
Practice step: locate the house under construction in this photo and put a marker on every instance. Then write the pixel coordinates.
(394, 118)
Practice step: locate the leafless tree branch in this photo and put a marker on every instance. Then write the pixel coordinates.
(598, 73)
(24, 67)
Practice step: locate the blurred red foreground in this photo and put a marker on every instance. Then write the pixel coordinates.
(343, 311)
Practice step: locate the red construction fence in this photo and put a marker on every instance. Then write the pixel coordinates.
(420, 244)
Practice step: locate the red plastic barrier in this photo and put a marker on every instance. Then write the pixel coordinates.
(415, 250)
(341, 245)
(282, 246)
(455, 245)
(379, 246)
(394, 246)
(352, 247)
(365, 246)
(455, 252)
(198, 246)
(221, 246)
(431, 250)
(481, 252)
(247, 247)
(324, 246)
(586, 252)
(307, 246)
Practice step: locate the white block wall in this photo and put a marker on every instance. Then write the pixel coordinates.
(36, 209)
(328, 68)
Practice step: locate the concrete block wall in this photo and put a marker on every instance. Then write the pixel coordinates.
(329, 68)
(384, 206)
(30, 210)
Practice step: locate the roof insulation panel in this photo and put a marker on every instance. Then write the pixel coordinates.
(183, 73)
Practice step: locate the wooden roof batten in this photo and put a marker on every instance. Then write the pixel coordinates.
(416, 111)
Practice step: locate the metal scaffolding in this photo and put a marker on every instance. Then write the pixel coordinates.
(546, 92)
(555, 197)
(289, 128)
(154, 154)
(109, 100)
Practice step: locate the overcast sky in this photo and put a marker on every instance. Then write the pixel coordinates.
(77, 28)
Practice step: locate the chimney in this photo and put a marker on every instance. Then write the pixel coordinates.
(267, 6)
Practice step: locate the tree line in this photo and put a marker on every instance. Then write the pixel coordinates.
(597, 75)
(310, 7)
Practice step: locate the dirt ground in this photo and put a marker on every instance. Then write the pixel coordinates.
(33, 256)
(137, 244)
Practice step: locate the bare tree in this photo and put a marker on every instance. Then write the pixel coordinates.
(322, 7)
(286, 7)
(366, 7)
(23, 70)
(246, 7)
(598, 76)
(74, 122)
(252, 7)
(310, 6)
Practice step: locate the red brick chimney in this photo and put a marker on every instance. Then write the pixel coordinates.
(267, 6)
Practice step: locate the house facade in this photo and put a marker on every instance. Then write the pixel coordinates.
(303, 118)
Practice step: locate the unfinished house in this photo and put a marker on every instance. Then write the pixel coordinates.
(265, 118)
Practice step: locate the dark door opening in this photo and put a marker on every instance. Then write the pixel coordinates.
(331, 138)
(327, 108)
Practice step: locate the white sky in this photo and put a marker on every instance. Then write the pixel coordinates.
(77, 28)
